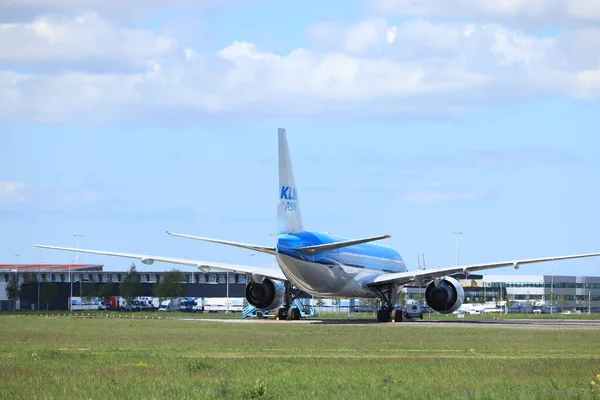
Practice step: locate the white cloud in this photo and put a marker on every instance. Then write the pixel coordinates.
(588, 10)
(356, 38)
(368, 68)
(13, 192)
(85, 37)
(25, 10)
(524, 13)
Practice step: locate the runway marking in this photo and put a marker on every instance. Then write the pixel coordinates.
(74, 349)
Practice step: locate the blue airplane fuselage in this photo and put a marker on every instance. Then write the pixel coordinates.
(338, 272)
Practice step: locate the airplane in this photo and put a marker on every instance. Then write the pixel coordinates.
(324, 266)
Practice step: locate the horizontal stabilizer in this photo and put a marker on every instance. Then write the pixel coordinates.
(322, 248)
(253, 247)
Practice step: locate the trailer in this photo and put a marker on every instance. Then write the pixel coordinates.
(219, 304)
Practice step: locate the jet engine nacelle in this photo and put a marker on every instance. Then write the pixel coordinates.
(446, 296)
(265, 295)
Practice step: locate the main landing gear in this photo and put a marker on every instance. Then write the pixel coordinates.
(286, 312)
(388, 312)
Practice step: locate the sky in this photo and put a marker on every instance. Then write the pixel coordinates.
(120, 120)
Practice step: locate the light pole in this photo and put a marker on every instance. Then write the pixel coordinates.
(457, 233)
(77, 238)
(227, 285)
(71, 284)
(38, 285)
(16, 275)
(552, 294)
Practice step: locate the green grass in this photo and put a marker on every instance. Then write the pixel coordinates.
(98, 358)
(341, 315)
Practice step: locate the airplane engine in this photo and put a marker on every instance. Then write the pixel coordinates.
(445, 297)
(266, 295)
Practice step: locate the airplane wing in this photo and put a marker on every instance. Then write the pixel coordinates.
(253, 247)
(273, 273)
(403, 278)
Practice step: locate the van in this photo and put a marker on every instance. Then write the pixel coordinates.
(412, 309)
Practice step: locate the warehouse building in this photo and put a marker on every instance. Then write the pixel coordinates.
(574, 292)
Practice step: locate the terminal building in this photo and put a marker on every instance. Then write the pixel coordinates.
(566, 292)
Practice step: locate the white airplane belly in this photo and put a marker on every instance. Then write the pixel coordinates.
(323, 280)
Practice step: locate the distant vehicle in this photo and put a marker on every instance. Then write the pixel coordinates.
(541, 307)
(251, 312)
(104, 305)
(412, 309)
(187, 304)
(170, 305)
(304, 311)
(117, 302)
(219, 304)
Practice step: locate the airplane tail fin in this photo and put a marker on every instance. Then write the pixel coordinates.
(289, 218)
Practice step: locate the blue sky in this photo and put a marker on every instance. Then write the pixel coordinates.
(407, 118)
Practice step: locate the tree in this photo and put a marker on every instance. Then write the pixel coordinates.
(562, 301)
(482, 298)
(171, 285)
(29, 277)
(401, 297)
(473, 283)
(13, 291)
(510, 301)
(105, 291)
(336, 302)
(370, 305)
(49, 294)
(131, 287)
(88, 292)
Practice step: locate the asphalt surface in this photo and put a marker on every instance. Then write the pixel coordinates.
(502, 324)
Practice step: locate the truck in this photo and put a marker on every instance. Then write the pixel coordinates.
(218, 304)
(170, 305)
(541, 307)
(412, 309)
(187, 304)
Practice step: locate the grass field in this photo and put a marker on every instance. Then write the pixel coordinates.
(84, 358)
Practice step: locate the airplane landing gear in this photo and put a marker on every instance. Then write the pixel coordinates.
(396, 315)
(287, 312)
(383, 315)
(388, 312)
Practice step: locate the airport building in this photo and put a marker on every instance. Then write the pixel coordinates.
(566, 292)
(70, 280)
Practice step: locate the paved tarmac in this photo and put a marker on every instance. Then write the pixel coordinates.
(499, 324)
